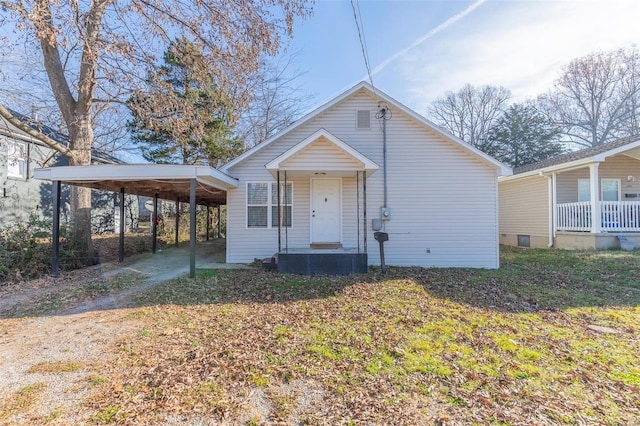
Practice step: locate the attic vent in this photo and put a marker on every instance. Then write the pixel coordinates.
(363, 119)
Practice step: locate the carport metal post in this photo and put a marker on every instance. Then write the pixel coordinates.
(121, 245)
(154, 224)
(192, 226)
(219, 222)
(208, 223)
(177, 219)
(55, 258)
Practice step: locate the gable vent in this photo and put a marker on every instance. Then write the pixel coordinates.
(363, 119)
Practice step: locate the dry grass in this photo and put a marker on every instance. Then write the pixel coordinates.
(551, 338)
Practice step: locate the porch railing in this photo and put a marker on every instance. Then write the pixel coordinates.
(573, 216)
(615, 216)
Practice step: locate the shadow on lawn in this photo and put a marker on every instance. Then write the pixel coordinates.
(528, 281)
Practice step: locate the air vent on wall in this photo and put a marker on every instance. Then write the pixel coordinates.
(363, 119)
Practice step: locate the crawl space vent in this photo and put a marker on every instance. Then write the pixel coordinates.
(363, 119)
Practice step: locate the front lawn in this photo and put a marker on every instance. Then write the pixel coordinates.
(551, 338)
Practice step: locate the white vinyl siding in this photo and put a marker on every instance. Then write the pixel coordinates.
(324, 155)
(262, 204)
(443, 197)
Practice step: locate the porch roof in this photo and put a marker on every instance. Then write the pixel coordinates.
(321, 153)
(581, 158)
(168, 181)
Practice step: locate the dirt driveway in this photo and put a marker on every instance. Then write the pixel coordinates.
(52, 332)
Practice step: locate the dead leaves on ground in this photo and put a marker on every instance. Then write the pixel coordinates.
(371, 349)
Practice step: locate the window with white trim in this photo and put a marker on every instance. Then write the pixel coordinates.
(17, 159)
(610, 189)
(262, 204)
(584, 190)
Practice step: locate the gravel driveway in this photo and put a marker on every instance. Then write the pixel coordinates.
(52, 333)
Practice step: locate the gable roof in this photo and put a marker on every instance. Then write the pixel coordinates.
(504, 169)
(367, 164)
(57, 136)
(596, 153)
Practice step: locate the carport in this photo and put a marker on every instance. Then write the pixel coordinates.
(201, 185)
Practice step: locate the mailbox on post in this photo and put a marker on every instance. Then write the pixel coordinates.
(381, 237)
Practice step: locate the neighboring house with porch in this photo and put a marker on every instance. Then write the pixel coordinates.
(315, 193)
(20, 155)
(552, 203)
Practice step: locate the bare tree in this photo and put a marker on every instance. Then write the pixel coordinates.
(279, 100)
(597, 98)
(471, 112)
(96, 52)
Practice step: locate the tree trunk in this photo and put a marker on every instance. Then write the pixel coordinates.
(80, 142)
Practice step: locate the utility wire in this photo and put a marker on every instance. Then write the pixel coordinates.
(363, 43)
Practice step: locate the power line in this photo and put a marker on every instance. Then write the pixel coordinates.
(363, 43)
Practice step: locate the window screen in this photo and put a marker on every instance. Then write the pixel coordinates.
(285, 204)
(262, 205)
(257, 198)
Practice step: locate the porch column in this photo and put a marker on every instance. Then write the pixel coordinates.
(594, 186)
(279, 227)
(358, 207)
(554, 192)
(219, 222)
(121, 241)
(192, 229)
(55, 257)
(364, 207)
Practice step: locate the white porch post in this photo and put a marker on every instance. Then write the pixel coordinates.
(554, 192)
(594, 185)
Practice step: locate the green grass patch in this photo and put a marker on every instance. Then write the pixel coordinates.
(53, 367)
(108, 415)
(21, 401)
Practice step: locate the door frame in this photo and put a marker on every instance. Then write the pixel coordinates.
(339, 179)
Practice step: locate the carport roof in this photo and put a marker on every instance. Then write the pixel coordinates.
(168, 181)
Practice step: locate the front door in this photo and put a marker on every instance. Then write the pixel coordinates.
(325, 210)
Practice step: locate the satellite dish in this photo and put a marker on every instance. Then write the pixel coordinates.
(148, 205)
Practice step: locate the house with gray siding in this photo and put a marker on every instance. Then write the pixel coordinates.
(20, 155)
(360, 166)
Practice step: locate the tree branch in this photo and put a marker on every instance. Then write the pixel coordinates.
(6, 115)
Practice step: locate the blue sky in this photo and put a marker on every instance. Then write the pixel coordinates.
(421, 49)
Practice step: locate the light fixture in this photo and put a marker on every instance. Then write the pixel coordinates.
(631, 178)
(320, 173)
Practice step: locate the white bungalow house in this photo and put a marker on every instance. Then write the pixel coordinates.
(313, 195)
(552, 203)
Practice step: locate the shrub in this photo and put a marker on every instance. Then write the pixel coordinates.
(25, 248)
